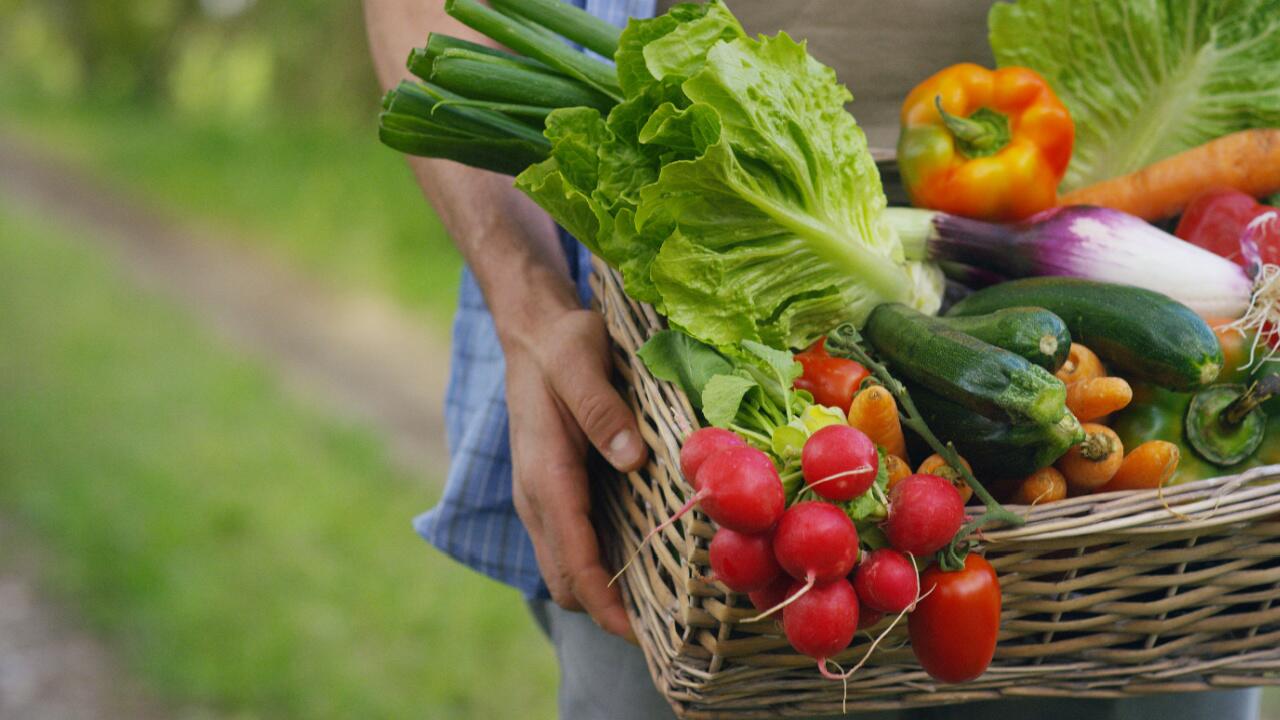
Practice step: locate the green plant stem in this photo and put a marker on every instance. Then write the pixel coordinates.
(764, 440)
(529, 111)
(560, 17)
(846, 341)
(539, 44)
(468, 74)
(440, 43)
(1258, 393)
(983, 134)
(432, 122)
(423, 101)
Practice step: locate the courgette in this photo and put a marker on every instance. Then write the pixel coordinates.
(994, 448)
(1034, 333)
(1142, 335)
(986, 379)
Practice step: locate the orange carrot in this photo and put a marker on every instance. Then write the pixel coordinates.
(1045, 485)
(1235, 344)
(1091, 464)
(897, 468)
(1081, 364)
(1097, 397)
(1146, 467)
(875, 413)
(936, 465)
(1248, 161)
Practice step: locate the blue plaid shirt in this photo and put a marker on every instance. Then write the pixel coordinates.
(475, 522)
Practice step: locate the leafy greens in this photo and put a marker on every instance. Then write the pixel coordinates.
(752, 394)
(730, 187)
(1146, 79)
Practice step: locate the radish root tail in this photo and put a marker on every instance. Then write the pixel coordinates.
(1263, 315)
(693, 500)
(810, 581)
(847, 473)
(844, 676)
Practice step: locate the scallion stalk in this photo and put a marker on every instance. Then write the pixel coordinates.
(424, 101)
(439, 44)
(541, 45)
(564, 19)
(501, 82)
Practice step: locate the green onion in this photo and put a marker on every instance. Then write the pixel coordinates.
(560, 17)
(501, 82)
(430, 121)
(425, 101)
(438, 44)
(537, 43)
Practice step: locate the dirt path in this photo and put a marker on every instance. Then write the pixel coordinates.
(52, 669)
(358, 357)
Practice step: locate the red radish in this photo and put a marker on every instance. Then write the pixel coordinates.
(772, 594)
(702, 444)
(815, 542)
(821, 622)
(743, 562)
(739, 488)
(886, 581)
(839, 462)
(867, 617)
(925, 512)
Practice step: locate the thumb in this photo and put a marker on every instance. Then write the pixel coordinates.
(605, 418)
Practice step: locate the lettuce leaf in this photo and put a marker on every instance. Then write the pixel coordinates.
(1146, 80)
(731, 188)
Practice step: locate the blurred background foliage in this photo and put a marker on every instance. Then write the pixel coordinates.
(233, 59)
(258, 118)
(241, 549)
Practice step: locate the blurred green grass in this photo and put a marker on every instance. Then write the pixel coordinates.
(324, 197)
(238, 547)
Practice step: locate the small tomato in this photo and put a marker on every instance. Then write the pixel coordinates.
(953, 629)
(832, 381)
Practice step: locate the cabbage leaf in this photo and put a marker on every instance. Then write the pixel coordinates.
(1146, 79)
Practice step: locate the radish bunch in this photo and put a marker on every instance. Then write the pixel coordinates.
(803, 560)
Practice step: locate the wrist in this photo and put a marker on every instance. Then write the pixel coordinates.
(527, 298)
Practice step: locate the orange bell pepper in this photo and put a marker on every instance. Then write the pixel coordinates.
(986, 144)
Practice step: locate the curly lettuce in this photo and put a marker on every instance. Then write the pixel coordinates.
(730, 187)
(1149, 78)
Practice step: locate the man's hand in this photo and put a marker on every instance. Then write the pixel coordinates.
(560, 398)
(557, 354)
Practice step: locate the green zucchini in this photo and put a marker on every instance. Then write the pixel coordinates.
(994, 448)
(1142, 335)
(1034, 333)
(986, 379)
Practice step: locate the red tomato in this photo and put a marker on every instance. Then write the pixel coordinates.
(832, 381)
(1216, 220)
(953, 629)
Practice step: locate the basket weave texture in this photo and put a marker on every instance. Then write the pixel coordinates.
(1111, 595)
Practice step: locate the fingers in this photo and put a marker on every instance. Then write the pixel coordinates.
(551, 496)
(582, 382)
(578, 555)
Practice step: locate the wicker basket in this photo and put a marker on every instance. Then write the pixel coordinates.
(1104, 596)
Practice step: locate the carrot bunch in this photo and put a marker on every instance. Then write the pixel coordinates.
(1099, 463)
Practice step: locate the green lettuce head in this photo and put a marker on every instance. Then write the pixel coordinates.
(730, 188)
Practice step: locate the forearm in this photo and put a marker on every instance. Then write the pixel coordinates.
(509, 243)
